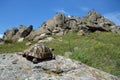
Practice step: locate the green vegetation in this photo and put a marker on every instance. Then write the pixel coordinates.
(99, 50)
(12, 46)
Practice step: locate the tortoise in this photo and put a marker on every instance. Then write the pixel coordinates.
(38, 52)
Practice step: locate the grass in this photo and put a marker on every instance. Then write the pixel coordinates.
(99, 50)
(11, 47)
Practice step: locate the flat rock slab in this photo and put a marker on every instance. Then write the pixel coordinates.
(15, 67)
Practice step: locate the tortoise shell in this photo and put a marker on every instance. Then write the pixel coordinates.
(38, 51)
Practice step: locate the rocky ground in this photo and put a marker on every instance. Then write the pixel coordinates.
(15, 67)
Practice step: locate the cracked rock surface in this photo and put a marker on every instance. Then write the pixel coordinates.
(15, 67)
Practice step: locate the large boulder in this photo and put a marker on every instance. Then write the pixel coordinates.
(35, 34)
(51, 26)
(95, 22)
(21, 29)
(24, 31)
(27, 31)
(16, 34)
(15, 67)
(116, 29)
(58, 25)
(9, 34)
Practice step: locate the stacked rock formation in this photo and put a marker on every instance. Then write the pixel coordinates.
(61, 24)
(16, 34)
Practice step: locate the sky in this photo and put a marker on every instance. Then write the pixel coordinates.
(34, 12)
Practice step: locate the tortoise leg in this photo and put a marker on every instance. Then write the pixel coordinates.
(53, 56)
(34, 60)
(24, 55)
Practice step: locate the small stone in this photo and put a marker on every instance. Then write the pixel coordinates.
(67, 54)
(20, 39)
(60, 33)
(49, 39)
(56, 31)
(81, 33)
(15, 61)
(3, 57)
(42, 35)
(28, 44)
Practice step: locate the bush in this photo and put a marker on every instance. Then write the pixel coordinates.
(8, 41)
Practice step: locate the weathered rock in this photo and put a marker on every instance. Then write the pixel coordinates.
(28, 44)
(61, 33)
(16, 34)
(53, 25)
(81, 33)
(58, 25)
(27, 31)
(96, 22)
(36, 35)
(23, 31)
(96, 28)
(61, 25)
(59, 69)
(48, 39)
(40, 37)
(116, 29)
(9, 34)
(20, 39)
(15, 61)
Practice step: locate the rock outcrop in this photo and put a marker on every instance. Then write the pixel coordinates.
(9, 34)
(52, 26)
(61, 24)
(96, 22)
(15, 67)
(16, 34)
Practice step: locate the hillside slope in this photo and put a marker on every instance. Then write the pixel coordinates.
(99, 50)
